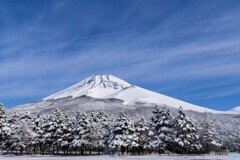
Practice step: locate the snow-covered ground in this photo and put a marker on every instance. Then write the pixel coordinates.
(152, 157)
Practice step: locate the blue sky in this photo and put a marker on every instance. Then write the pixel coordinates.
(185, 49)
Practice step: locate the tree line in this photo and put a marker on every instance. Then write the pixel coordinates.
(96, 133)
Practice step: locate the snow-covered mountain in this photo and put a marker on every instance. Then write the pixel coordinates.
(108, 86)
(98, 86)
(104, 91)
(113, 95)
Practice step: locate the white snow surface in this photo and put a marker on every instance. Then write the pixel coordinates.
(108, 86)
(148, 157)
(99, 86)
(236, 109)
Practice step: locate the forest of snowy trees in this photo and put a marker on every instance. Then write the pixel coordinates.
(96, 133)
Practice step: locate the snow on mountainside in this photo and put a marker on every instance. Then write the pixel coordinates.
(99, 86)
(108, 86)
(236, 109)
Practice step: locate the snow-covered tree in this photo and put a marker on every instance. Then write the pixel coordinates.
(50, 130)
(76, 118)
(145, 136)
(156, 115)
(13, 119)
(100, 130)
(22, 135)
(2, 123)
(65, 134)
(104, 124)
(26, 116)
(91, 134)
(232, 142)
(187, 137)
(58, 131)
(12, 123)
(163, 122)
(209, 137)
(123, 136)
(4, 127)
(82, 137)
(230, 139)
(37, 127)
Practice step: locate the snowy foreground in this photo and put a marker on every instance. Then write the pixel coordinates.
(152, 157)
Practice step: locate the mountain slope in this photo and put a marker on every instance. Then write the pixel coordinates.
(106, 92)
(99, 86)
(108, 86)
(235, 110)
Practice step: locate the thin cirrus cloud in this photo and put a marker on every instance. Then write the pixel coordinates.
(161, 48)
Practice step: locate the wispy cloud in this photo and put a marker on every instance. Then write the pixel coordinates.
(154, 47)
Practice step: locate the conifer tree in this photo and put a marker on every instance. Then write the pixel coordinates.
(13, 119)
(163, 123)
(37, 127)
(123, 136)
(52, 130)
(156, 116)
(4, 128)
(82, 137)
(61, 131)
(100, 130)
(209, 137)
(165, 131)
(66, 135)
(104, 124)
(145, 136)
(187, 138)
(12, 123)
(22, 135)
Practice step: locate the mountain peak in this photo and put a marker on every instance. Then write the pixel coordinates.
(106, 86)
(97, 86)
(105, 81)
